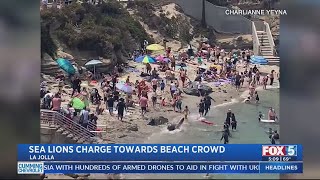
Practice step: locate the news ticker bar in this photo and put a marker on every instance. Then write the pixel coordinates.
(159, 167)
(158, 152)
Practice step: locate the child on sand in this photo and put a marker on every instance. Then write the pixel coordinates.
(186, 112)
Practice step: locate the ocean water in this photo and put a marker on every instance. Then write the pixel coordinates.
(249, 131)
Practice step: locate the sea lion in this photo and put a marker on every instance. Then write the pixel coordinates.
(172, 127)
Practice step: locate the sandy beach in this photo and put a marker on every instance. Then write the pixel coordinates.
(134, 129)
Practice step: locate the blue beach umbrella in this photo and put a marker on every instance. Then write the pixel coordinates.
(145, 59)
(66, 66)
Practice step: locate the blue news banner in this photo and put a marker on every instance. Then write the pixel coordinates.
(175, 158)
(159, 167)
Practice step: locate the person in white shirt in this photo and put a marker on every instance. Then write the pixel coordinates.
(84, 118)
(173, 88)
(200, 88)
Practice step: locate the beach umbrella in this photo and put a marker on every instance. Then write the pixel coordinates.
(145, 59)
(124, 87)
(78, 103)
(66, 66)
(162, 59)
(215, 66)
(154, 47)
(93, 63)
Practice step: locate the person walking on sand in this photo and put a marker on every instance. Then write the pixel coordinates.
(264, 82)
(162, 86)
(154, 83)
(237, 81)
(173, 88)
(186, 112)
(121, 107)
(154, 98)
(201, 108)
(110, 104)
(183, 76)
(179, 103)
(76, 85)
(143, 104)
(271, 77)
(56, 103)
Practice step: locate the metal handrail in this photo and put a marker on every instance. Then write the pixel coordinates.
(255, 39)
(269, 35)
(55, 119)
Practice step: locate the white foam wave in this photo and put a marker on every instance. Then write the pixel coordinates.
(233, 101)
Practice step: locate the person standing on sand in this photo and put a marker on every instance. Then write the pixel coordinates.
(179, 103)
(84, 117)
(271, 77)
(173, 88)
(173, 63)
(238, 81)
(56, 103)
(154, 98)
(121, 107)
(76, 85)
(110, 104)
(154, 83)
(149, 68)
(162, 86)
(143, 104)
(186, 112)
(183, 76)
(264, 82)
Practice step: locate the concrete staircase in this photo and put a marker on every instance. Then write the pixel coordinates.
(65, 130)
(265, 44)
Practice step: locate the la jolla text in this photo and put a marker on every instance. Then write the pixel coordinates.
(38, 152)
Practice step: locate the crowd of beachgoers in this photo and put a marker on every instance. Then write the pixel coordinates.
(149, 83)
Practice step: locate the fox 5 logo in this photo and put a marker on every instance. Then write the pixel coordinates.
(289, 150)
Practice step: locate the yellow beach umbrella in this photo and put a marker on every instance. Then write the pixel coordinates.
(215, 66)
(155, 47)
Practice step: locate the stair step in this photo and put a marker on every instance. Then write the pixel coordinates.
(76, 138)
(70, 135)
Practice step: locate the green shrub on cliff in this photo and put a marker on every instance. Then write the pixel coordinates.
(106, 29)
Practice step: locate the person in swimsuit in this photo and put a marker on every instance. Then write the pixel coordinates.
(186, 112)
(271, 114)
